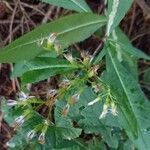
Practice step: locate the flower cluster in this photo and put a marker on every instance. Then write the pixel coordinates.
(22, 97)
(39, 133)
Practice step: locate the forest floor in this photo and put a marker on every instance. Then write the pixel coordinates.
(18, 17)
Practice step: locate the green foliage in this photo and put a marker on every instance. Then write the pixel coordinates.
(97, 103)
(28, 46)
(116, 12)
(77, 5)
(147, 76)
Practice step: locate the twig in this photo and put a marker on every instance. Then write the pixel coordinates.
(140, 35)
(11, 23)
(32, 7)
(132, 21)
(144, 6)
(48, 14)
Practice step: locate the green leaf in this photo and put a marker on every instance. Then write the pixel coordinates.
(77, 5)
(92, 124)
(100, 56)
(134, 108)
(41, 68)
(69, 30)
(127, 59)
(125, 45)
(41, 64)
(116, 12)
(147, 76)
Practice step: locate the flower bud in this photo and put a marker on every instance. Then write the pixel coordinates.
(69, 58)
(65, 110)
(51, 39)
(19, 120)
(57, 48)
(114, 109)
(11, 102)
(74, 99)
(96, 88)
(31, 134)
(41, 138)
(64, 84)
(94, 101)
(51, 93)
(104, 112)
(24, 97)
(93, 71)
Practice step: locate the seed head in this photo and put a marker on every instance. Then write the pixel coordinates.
(41, 138)
(31, 134)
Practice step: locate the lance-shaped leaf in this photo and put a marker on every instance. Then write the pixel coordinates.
(134, 108)
(41, 68)
(77, 5)
(69, 30)
(125, 45)
(116, 12)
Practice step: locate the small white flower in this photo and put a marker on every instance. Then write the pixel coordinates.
(51, 39)
(10, 144)
(24, 97)
(41, 138)
(96, 88)
(69, 58)
(64, 84)
(51, 93)
(11, 102)
(46, 122)
(94, 101)
(19, 120)
(104, 112)
(75, 97)
(31, 134)
(65, 110)
(114, 109)
(69, 138)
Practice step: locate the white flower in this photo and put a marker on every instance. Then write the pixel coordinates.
(104, 112)
(24, 97)
(19, 120)
(11, 102)
(31, 134)
(41, 138)
(10, 144)
(64, 84)
(94, 101)
(69, 58)
(51, 93)
(51, 39)
(114, 109)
